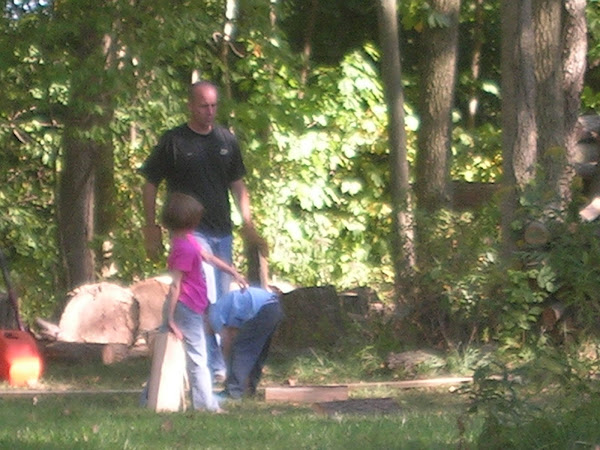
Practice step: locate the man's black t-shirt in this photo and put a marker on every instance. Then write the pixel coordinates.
(200, 165)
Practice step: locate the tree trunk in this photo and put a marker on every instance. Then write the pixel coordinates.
(308, 38)
(439, 49)
(574, 66)
(86, 186)
(476, 63)
(76, 207)
(402, 238)
(550, 105)
(231, 10)
(438, 72)
(519, 131)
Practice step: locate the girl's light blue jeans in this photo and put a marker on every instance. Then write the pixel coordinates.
(191, 325)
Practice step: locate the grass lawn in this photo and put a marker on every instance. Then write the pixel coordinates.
(426, 418)
(92, 406)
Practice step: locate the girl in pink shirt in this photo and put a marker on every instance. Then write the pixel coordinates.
(187, 295)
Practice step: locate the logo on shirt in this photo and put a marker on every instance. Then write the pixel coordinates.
(224, 151)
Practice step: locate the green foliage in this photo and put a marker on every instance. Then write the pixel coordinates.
(574, 259)
(538, 403)
(477, 155)
(454, 300)
(329, 170)
(314, 141)
(468, 294)
(46, 60)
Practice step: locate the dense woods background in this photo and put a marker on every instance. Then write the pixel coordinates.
(406, 147)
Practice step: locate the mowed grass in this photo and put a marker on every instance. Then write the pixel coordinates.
(427, 419)
(115, 421)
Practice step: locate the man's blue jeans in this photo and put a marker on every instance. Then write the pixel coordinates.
(217, 283)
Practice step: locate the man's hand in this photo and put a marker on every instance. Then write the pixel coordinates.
(153, 241)
(251, 237)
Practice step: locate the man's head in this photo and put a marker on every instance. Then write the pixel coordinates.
(202, 104)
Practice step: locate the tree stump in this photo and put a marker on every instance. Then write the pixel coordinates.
(313, 318)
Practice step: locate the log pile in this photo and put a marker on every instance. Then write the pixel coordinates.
(105, 322)
(109, 323)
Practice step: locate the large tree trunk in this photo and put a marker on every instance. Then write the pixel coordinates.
(574, 66)
(76, 207)
(438, 72)
(519, 131)
(86, 187)
(86, 195)
(402, 237)
(439, 50)
(550, 106)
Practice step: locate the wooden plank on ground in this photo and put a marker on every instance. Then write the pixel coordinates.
(36, 392)
(299, 394)
(306, 394)
(408, 384)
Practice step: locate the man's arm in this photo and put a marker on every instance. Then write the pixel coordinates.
(242, 200)
(149, 192)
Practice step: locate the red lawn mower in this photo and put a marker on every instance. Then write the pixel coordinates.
(20, 359)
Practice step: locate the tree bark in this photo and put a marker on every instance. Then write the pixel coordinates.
(231, 10)
(86, 185)
(402, 239)
(550, 105)
(439, 50)
(476, 62)
(308, 38)
(76, 208)
(519, 130)
(574, 66)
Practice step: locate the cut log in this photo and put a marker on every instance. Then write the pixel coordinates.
(150, 295)
(591, 210)
(313, 319)
(536, 234)
(71, 351)
(103, 313)
(47, 330)
(306, 394)
(90, 352)
(114, 353)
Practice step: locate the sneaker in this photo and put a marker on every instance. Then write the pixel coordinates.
(224, 397)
